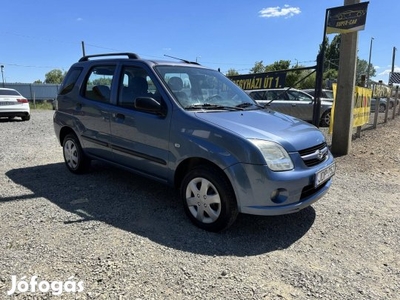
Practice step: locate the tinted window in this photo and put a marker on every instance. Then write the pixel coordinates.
(9, 92)
(295, 95)
(259, 95)
(70, 80)
(328, 94)
(98, 84)
(311, 92)
(275, 95)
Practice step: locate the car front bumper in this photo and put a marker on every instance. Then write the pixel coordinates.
(259, 191)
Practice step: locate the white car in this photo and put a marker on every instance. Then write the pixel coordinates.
(13, 104)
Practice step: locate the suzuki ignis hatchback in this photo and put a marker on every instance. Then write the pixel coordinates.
(192, 128)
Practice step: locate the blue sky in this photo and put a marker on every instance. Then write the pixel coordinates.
(39, 36)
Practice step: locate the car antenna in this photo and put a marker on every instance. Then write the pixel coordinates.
(181, 59)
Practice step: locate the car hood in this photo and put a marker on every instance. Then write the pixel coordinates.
(267, 125)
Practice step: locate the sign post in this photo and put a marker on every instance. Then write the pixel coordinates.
(346, 20)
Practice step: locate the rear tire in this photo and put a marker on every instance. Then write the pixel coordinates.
(75, 160)
(26, 118)
(326, 119)
(208, 199)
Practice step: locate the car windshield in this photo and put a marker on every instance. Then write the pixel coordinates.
(198, 88)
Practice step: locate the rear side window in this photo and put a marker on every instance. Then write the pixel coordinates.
(98, 83)
(70, 80)
(294, 95)
(259, 95)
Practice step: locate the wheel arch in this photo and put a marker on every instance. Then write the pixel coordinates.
(191, 163)
(63, 133)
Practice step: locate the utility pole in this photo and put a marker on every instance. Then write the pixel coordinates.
(369, 62)
(393, 60)
(2, 74)
(343, 116)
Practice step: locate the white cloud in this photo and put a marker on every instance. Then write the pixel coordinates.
(274, 12)
(388, 70)
(79, 19)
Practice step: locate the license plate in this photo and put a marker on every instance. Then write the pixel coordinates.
(323, 175)
(8, 103)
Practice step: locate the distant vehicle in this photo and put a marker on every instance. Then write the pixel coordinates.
(190, 127)
(326, 95)
(292, 102)
(13, 104)
(383, 104)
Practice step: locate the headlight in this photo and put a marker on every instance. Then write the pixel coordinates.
(274, 154)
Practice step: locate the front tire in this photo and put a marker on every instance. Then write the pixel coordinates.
(75, 160)
(208, 199)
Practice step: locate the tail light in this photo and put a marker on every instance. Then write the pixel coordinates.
(23, 100)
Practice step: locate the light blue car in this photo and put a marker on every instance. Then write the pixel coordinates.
(192, 128)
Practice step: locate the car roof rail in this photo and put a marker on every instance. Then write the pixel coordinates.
(129, 54)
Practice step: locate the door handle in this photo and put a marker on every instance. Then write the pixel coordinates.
(119, 116)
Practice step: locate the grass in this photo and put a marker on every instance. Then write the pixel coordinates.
(41, 105)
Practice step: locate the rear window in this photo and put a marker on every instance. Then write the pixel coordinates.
(9, 92)
(70, 80)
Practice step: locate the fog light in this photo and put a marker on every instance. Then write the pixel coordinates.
(279, 195)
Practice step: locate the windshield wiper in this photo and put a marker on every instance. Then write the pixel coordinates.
(212, 106)
(248, 104)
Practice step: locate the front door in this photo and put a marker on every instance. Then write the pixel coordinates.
(140, 139)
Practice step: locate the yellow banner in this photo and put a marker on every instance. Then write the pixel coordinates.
(362, 106)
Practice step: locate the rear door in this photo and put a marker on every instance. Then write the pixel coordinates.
(292, 103)
(93, 110)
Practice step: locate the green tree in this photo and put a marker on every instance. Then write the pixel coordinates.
(38, 81)
(293, 76)
(278, 65)
(102, 81)
(258, 67)
(232, 72)
(309, 80)
(54, 76)
(332, 53)
(362, 69)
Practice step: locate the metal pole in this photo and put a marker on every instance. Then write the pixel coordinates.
(369, 62)
(83, 48)
(2, 74)
(319, 77)
(393, 59)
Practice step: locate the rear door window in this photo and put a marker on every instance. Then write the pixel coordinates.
(98, 84)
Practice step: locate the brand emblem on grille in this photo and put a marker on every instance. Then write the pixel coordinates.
(320, 154)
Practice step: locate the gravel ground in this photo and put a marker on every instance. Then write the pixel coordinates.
(125, 237)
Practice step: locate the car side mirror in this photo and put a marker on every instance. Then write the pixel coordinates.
(149, 104)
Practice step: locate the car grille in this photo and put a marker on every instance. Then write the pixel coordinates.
(314, 155)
